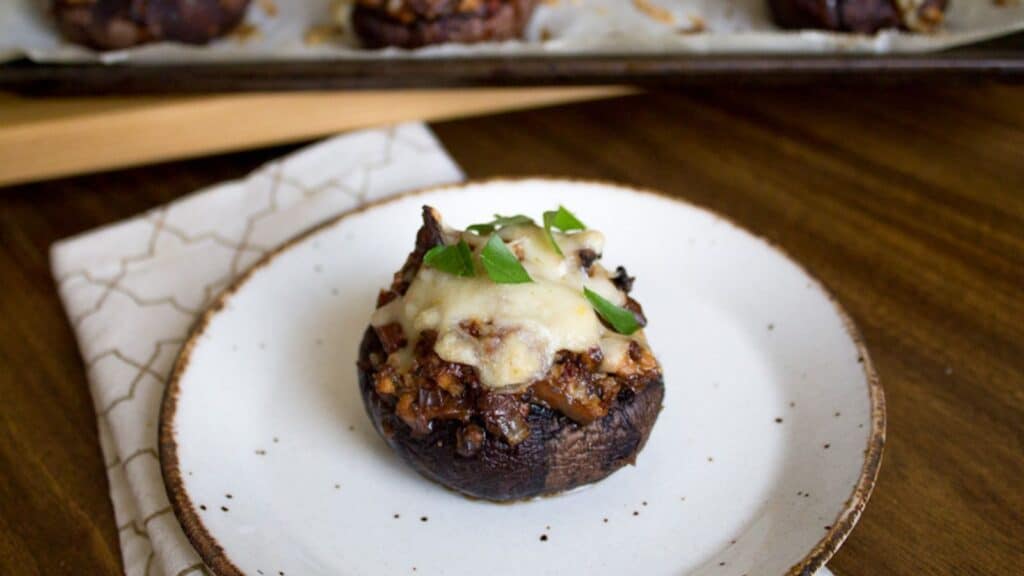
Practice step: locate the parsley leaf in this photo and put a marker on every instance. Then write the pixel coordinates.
(499, 222)
(457, 259)
(501, 264)
(621, 319)
(563, 220)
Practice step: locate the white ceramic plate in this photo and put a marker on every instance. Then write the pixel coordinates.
(760, 463)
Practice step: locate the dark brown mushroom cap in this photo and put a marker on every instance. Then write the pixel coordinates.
(558, 455)
(116, 24)
(495, 22)
(864, 16)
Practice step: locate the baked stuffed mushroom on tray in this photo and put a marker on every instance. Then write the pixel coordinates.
(119, 24)
(862, 16)
(416, 23)
(505, 362)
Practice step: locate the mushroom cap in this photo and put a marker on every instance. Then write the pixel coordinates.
(118, 24)
(558, 455)
(493, 21)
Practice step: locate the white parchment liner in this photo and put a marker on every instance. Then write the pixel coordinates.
(566, 27)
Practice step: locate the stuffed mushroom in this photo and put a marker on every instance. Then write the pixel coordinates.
(505, 362)
(117, 24)
(417, 23)
(863, 16)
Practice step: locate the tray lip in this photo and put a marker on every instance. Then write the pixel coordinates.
(213, 555)
(969, 62)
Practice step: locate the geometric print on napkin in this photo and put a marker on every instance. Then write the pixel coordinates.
(132, 291)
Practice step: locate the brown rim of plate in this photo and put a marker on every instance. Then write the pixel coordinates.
(212, 554)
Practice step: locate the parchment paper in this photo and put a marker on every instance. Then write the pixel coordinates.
(302, 29)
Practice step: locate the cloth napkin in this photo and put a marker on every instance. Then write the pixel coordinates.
(133, 289)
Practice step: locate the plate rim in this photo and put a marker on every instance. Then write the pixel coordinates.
(214, 556)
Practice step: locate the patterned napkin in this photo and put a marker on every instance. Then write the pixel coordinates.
(133, 289)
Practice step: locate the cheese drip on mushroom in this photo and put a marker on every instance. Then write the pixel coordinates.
(511, 332)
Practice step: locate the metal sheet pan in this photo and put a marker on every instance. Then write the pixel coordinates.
(586, 42)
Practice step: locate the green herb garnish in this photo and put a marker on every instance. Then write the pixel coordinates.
(457, 259)
(499, 222)
(501, 264)
(621, 319)
(563, 220)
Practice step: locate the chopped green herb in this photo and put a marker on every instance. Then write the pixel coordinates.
(499, 222)
(457, 259)
(501, 264)
(563, 220)
(621, 319)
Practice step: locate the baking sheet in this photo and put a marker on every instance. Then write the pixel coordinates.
(307, 30)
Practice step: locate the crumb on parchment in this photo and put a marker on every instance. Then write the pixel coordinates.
(322, 34)
(654, 11)
(333, 30)
(269, 7)
(697, 25)
(245, 32)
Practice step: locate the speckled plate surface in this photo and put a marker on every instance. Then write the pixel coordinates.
(763, 458)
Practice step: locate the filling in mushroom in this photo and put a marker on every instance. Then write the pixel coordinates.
(474, 346)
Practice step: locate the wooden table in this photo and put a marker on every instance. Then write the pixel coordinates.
(908, 204)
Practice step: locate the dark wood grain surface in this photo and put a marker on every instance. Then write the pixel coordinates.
(908, 204)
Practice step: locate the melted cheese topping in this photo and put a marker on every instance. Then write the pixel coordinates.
(511, 332)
